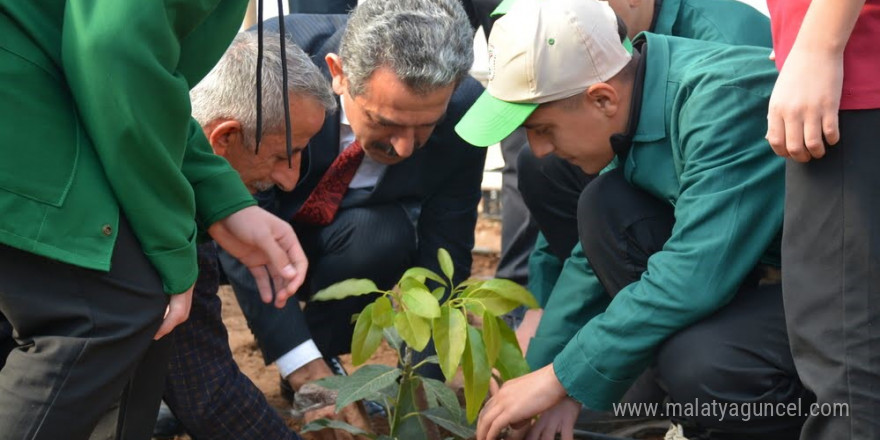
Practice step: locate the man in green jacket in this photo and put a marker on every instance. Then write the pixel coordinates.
(105, 183)
(551, 186)
(681, 239)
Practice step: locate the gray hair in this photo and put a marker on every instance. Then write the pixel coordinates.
(229, 90)
(428, 44)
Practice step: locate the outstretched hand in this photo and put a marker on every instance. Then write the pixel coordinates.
(518, 401)
(268, 247)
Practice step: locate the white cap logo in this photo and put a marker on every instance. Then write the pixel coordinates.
(491, 62)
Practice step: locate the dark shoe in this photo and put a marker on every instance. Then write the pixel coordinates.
(167, 425)
(371, 407)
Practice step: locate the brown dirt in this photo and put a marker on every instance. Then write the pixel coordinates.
(249, 358)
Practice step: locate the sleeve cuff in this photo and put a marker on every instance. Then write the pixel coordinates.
(584, 383)
(294, 359)
(178, 268)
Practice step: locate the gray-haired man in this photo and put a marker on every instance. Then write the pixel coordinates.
(400, 70)
(204, 385)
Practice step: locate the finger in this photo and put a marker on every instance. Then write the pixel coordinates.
(567, 430)
(535, 432)
(264, 283)
(831, 128)
(794, 139)
(776, 132)
(176, 313)
(813, 140)
(300, 265)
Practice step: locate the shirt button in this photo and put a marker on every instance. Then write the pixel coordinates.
(107, 230)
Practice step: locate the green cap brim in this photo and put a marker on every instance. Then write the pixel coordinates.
(490, 120)
(502, 8)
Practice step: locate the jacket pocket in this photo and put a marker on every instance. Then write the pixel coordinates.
(40, 135)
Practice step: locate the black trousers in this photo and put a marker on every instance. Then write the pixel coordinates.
(739, 355)
(550, 188)
(83, 336)
(831, 255)
(377, 242)
(518, 230)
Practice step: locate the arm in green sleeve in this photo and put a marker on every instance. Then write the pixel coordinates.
(576, 298)
(218, 189)
(544, 269)
(120, 60)
(727, 214)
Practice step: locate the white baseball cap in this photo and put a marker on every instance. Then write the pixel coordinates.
(542, 51)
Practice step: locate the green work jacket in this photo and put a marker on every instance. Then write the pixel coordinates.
(96, 120)
(721, 21)
(699, 145)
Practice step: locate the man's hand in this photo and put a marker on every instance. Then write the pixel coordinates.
(518, 401)
(268, 246)
(559, 418)
(176, 312)
(804, 105)
(351, 414)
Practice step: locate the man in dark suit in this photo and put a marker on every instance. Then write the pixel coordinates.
(416, 189)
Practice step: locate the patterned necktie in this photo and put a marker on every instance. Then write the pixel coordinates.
(323, 202)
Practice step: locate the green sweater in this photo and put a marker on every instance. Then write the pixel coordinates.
(699, 146)
(98, 121)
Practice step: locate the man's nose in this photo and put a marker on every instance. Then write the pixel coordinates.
(404, 142)
(286, 177)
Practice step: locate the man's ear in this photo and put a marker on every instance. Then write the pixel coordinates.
(334, 63)
(224, 136)
(604, 97)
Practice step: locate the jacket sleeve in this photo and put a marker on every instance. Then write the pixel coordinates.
(120, 59)
(544, 269)
(217, 187)
(576, 297)
(727, 214)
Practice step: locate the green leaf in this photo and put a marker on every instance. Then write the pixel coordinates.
(510, 362)
(450, 333)
(493, 302)
(383, 313)
(421, 303)
(471, 286)
(320, 424)
(415, 330)
(412, 284)
(393, 338)
(447, 421)
(434, 389)
(438, 293)
(445, 263)
(421, 274)
(331, 382)
(491, 337)
(512, 291)
(345, 289)
(475, 367)
(366, 337)
(366, 382)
